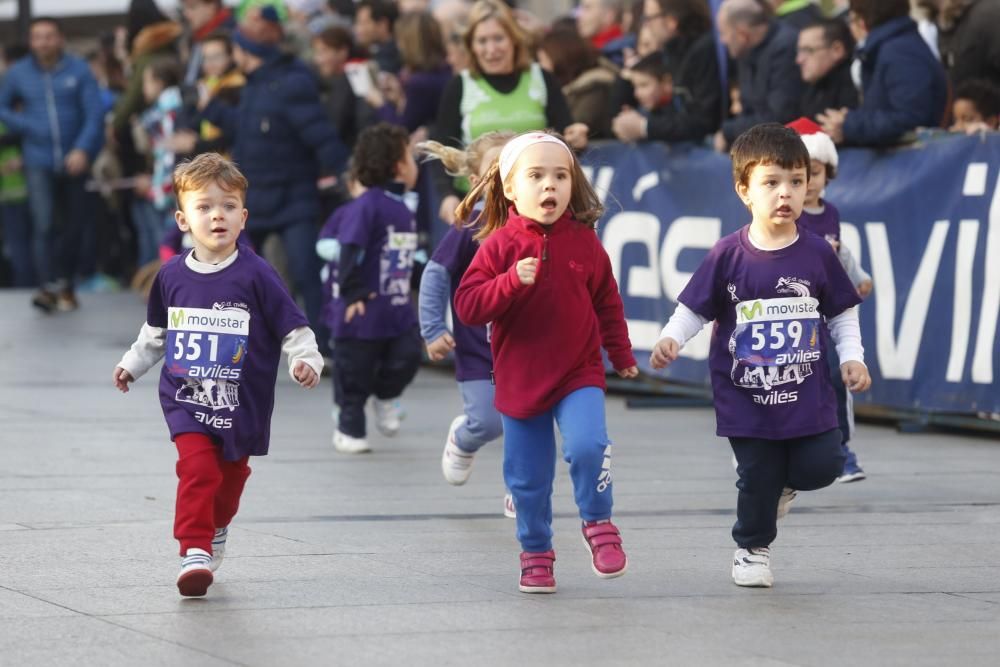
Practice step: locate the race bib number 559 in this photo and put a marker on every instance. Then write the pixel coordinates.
(777, 332)
(206, 344)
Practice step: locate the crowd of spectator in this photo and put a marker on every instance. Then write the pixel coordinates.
(284, 87)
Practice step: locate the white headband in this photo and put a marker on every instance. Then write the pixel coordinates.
(513, 149)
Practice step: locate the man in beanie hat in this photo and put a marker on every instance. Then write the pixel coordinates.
(284, 142)
(823, 219)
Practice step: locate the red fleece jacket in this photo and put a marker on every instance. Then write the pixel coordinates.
(546, 337)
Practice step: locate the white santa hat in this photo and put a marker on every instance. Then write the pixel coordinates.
(818, 143)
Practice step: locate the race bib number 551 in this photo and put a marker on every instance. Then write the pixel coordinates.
(206, 344)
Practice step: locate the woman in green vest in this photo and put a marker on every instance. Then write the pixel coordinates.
(504, 89)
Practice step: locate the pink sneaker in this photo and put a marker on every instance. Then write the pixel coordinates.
(605, 544)
(537, 572)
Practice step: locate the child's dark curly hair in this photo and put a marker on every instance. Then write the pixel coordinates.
(377, 152)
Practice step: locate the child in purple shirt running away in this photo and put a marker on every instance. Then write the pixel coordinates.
(222, 318)
(771, 292)
(480, 422)
(369, 246)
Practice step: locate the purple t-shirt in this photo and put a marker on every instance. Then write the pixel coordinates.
(769, 375)
(473, 358)
(223, 347)
(824, 225)
(381, 224)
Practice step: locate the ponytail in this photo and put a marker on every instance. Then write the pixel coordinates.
(455, 160)
(494, 213)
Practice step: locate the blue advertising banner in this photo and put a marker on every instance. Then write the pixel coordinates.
(924, 221)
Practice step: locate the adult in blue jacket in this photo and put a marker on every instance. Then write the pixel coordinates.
(284, 142)
(764, 50)
(51, 100)
(903, 84)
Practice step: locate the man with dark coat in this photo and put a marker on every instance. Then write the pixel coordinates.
(283, 141)
(903, 84)
(824, 58)
(764, 50)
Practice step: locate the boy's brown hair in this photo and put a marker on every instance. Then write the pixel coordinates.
(378, 150)
(198, 173)
(767, 143)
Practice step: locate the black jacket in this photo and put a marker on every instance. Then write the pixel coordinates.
(696, 79)
(770, 82)
(833, 91)
(970, 47)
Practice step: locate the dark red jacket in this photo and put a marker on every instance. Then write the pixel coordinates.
(546, 337)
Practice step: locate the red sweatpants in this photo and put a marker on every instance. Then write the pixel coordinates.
(208, 490)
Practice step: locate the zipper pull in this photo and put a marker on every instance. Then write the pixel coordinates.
(545, 247)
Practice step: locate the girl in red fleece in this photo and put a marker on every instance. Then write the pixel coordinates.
(543, 282)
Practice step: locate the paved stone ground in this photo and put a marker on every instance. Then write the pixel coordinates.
(338, 560)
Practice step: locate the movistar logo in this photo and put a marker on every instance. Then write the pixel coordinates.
(751, 312)
(176, 318)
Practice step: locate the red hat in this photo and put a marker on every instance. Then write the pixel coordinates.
(818, 143)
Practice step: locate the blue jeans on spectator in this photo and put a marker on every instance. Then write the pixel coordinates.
(17, 246)
(58, 204)
(150, 225)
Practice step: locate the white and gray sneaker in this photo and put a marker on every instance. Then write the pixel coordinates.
(388, 415)
(752, 567)
(456, 463)
(218, 547)
(788, 495)
(196, 574)
(349, 445)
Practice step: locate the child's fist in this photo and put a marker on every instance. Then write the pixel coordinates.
(865, 288)
(664, 353)
(305, 375)
(526, 270)
(121, 379)
(855, 376)
(629, 373)
(439, 348)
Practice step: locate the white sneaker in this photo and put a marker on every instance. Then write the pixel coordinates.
(348, 445)
(196, 574)
(508, 507)
(785, 501)
(218, 547)
(456, 463)
(388, 415)
(752, 567)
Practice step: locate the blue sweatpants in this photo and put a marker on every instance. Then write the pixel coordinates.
(482, 421)
(529, 464)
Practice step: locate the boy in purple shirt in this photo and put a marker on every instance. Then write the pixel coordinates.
(369, 245)
(222, 318)
(772, 293)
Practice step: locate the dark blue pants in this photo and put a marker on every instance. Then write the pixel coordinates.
(17, 245)
(362, 368)
(766, 467)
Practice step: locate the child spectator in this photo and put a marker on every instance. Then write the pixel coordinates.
(771, 292)
(222, 317)
(369, 245)
(479, 422)
(822, 218)
(544, 284)
(154, 208)
(976, 107)
(653, 86)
